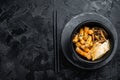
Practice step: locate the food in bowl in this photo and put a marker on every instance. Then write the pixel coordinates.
(91, 42)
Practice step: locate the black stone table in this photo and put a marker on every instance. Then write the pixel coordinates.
(30, 32)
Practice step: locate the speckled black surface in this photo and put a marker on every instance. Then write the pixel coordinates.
(27, 42)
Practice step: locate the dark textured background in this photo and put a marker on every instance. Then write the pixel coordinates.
(27, 44)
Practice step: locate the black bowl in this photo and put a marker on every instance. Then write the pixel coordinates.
(71, 28)
(92, 23)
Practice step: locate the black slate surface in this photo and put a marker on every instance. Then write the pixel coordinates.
(30, 33)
